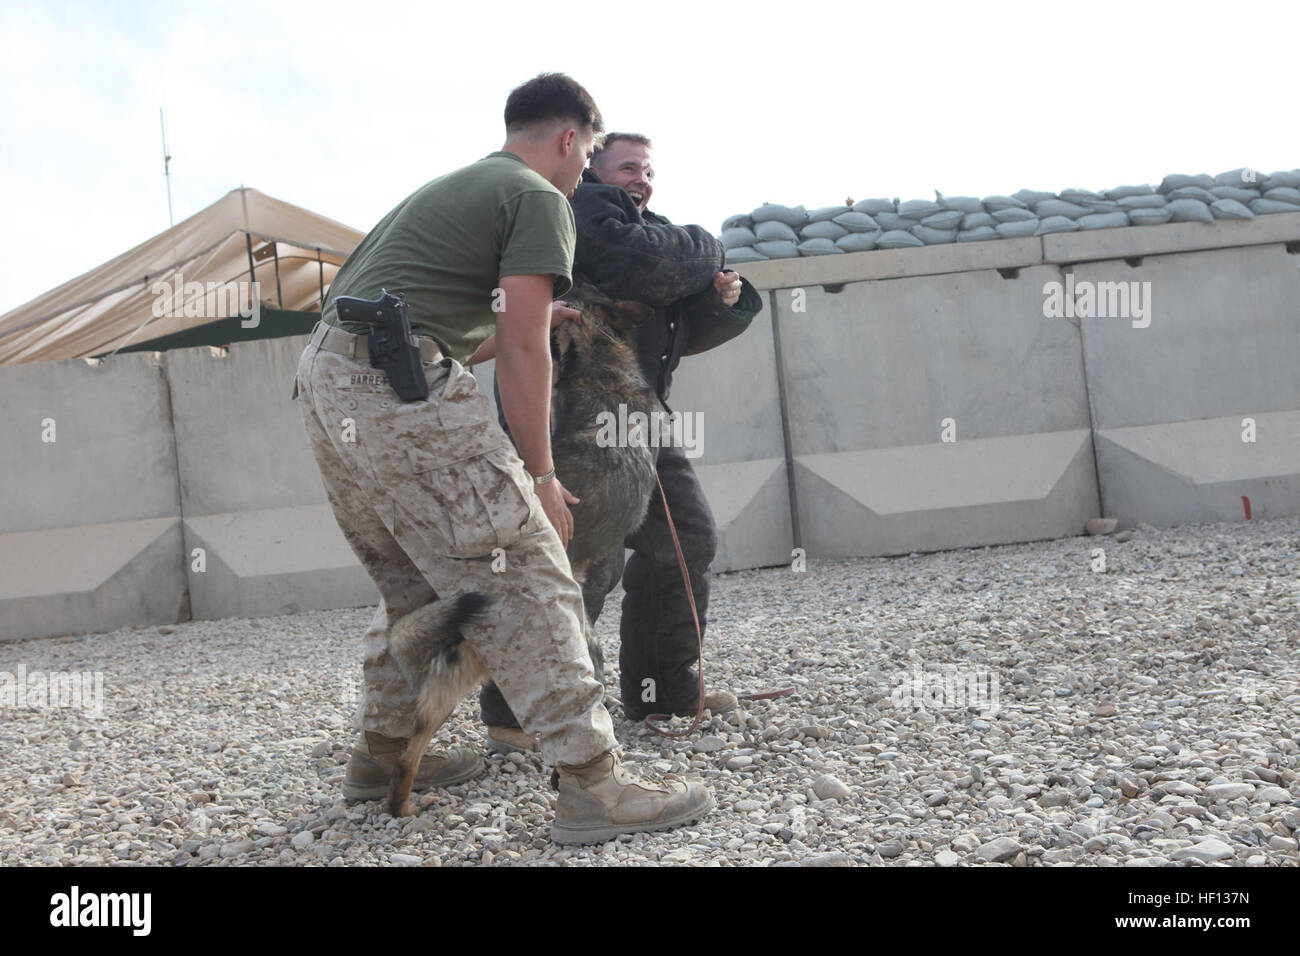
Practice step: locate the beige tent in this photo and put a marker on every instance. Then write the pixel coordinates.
(195, 274)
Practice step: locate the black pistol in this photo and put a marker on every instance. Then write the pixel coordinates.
(389, 341)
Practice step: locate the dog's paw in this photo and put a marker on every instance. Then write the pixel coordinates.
(405, 809)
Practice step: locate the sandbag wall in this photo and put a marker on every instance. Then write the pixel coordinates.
(774, 231)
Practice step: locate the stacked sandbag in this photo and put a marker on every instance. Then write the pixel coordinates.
(738, 238)
(773, 231)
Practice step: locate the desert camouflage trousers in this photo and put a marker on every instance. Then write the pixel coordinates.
(435, 502)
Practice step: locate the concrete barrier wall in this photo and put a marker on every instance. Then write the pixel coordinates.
(90, 531)
(1055, 420)
(1171, 401)
(1168, 404)
(250, 490)
(735, 391)
(1174, 402)
(920, 426)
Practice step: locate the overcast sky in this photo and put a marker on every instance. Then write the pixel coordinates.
(345, 108)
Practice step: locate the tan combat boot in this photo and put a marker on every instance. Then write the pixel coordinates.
(370, 768)
(599, 800)
(511, 740)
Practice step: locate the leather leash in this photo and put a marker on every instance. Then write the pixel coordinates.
(699, 639)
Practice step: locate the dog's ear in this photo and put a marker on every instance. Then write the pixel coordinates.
(584, 292)
(561, 343)
(633, 313)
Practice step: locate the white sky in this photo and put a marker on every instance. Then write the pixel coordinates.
(345, 108)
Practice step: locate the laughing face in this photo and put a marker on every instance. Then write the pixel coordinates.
(628, 164)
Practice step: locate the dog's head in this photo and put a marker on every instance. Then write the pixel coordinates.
(622, 318)
(600, 316)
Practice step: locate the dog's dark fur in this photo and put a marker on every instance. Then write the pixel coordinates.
(595, 371)
(598, 372)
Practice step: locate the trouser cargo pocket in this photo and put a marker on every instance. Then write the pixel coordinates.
(473, 505)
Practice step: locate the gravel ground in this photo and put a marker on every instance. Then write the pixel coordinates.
(1141, 716)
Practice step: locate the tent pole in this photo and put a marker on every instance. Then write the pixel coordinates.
(321, 266)
(275, 251)
(252, 276)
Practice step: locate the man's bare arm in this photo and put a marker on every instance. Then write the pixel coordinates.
(523, 354)
(560, 312)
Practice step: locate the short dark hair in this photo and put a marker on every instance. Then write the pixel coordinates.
(551, 96)
(612, 138)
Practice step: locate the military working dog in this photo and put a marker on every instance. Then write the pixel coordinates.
(594, 372)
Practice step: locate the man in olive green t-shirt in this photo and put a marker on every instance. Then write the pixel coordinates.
(430, 494)
(484, 245)
(446, 245)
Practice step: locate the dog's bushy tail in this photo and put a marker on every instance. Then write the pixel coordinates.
(429, 650)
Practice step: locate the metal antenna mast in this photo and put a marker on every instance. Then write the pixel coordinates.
(167, 172)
